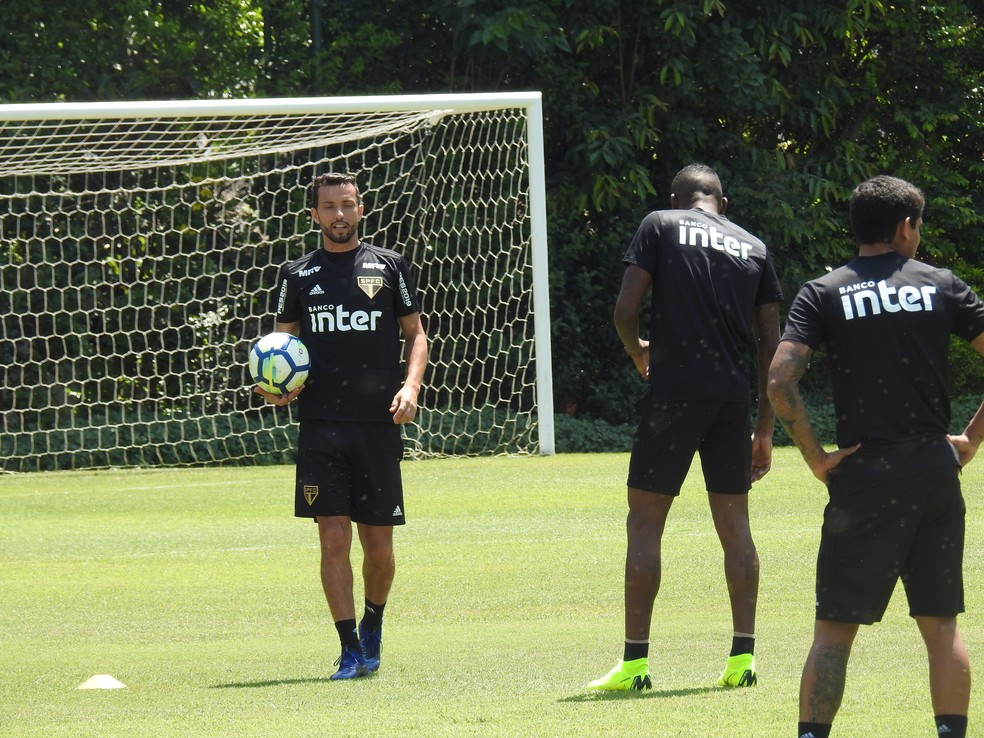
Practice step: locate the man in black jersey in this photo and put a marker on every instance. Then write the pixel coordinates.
(350, 302)
(714, 295)
(895, 508)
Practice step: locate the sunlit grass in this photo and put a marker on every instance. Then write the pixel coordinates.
(198, 590)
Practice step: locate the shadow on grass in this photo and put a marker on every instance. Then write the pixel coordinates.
(269, 683)
(633, 695)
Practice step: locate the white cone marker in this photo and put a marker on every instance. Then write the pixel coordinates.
(101, 681)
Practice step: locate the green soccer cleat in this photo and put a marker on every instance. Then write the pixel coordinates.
(626, 676)
(740, 671)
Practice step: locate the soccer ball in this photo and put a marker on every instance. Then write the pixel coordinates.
(279, 363)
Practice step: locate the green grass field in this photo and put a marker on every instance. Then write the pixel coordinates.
(199, 591)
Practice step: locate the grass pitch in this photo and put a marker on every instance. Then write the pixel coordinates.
(198, 590)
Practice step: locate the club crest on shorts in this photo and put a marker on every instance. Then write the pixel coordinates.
(370, 285)
(310, 493)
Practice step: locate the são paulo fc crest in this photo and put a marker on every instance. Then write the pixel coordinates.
(310, 493)
(370, 285)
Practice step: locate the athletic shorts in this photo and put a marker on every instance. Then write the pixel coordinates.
(670, 433)
(910, 528)
(349, 469)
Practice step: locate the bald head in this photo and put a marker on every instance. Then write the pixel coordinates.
(698, 185)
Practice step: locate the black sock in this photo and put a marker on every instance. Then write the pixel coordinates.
(742, 644)
(347, 633)
(372, 618)
(635, 651)
(956, 726)
(813, 730)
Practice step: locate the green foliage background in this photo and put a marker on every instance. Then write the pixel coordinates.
(793, 101)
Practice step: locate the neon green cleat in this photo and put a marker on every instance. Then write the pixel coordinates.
(740, 671)
(627, 675)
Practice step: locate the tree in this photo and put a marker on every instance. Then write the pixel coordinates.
(793, 101)
(128, 50)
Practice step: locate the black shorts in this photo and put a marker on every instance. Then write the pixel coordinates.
(350, 469)
(670, 433)
(910, 528)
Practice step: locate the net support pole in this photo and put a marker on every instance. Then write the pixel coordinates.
(541, 284)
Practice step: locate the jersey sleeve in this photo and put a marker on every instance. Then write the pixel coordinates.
(769, 288)
(284, 298)
(407, 298)
(968, 317)
(643, 251)
(804, 323)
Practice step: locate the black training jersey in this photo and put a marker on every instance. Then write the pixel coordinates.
(887, 322)
(708, 276)
(349, 305)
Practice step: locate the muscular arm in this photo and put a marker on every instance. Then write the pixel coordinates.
(766, 328)
(969, 441)
(635, 283)
(785, 372)
(404, 405)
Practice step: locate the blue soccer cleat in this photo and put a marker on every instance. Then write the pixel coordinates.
(351, 664)
(372, 645)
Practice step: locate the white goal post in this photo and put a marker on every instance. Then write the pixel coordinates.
(139, 242)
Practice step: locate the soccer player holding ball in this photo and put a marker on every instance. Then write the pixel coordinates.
(350, 303)
(895, 508)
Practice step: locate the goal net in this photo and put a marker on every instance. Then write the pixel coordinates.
(139, 243)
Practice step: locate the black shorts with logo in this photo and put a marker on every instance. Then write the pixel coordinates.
(873, 535)
(670, 433)
(350, 469)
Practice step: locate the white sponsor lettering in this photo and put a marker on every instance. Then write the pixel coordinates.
(331, 318)
(856, 287)
(282, 300)
(862, 299)
(308, 272)
(404, 292)
(373, 265)
(694, 233)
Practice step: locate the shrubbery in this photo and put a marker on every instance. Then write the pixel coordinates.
(253, 440)
(584, 435)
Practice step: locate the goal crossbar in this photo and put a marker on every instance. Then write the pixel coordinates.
(51, 147)
(463, 102)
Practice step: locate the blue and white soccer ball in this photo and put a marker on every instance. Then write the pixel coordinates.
(279, 363)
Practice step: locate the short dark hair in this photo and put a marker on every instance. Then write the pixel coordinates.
(696, 179)
(331, 178)
(879, 204)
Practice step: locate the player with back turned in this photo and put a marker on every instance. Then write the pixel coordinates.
(895, 509)
(350, 302)
(714, 296)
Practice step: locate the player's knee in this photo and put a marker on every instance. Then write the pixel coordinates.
(379, 550)
(335, 533)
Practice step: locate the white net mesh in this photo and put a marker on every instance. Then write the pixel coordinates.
(138, 253)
